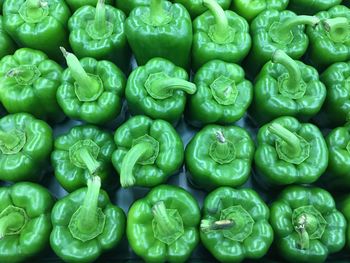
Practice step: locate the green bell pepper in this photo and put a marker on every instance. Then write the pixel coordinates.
(345, 209)
(329, 41)
(223, 94)
(91, 90)
(197, 7)
(273, 30)
(161, 29)
(29, 82)
(38, 24)
(158, 90)
(76, 4)
(307, 225)
(219, 34)
(25, 221)
(83, 152)
(128, 6)
(148, 152)
(337, 105)
(235, 225)
(250, 9)
(6, 44)
(290, 152)
(307, 7)
(219, 156)
(99, 33)
(86, 224)
(286, 87)
(25, 146)
(163, 226)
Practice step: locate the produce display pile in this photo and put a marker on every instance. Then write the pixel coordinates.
(174, 131)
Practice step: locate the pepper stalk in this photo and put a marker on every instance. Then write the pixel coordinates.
(293, 146)
(338, 29)
(13, 220)
(208, 225)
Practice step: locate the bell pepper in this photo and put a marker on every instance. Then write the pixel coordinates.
(250, 9)
(128, 6)
(76, 4)
(6, 44)
(307, 225)
(219, 34)
(235, 225)
(29, 82)
(329, 40)
(290, 152)
(219, 156)
(99, 33)
(223, 94)
(197, 7)
(86, 224)
(273, 30)
(25, 146)
(148, 152)
(345, 209)
(91, 90)
(286, 87)
(158, 90)
(38, 24)
(25, 221)
(307, 7)
(163, 226)
(83, 152)
(337, 105)
(161, 29)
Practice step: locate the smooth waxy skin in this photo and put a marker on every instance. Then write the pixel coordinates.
(280, 172)
(196, 8)
(36, 202)
(27, 164)
(76, 4)
(256, 244)
(171, 39)
(250, 9)
(141, 102)
(323, 50)
(108, 104)
(37, 94)
(140, 232)
(204, 108)
(208, 173)
(311, 7)
(287, 239)
(72, 177)
(128, 6)
(345, 209)
(48, 34)
(169, 158)
(111, 46)
(7, 46)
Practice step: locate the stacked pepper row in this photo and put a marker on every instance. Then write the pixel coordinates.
(269, 42)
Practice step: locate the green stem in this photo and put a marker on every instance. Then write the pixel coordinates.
(292, 141)
(221, 150)
(290, 23)
(303, 234)
(165, 223)
(162, 88)
(10, 140)
(34, 7)
(208, 225)
(158, 15)
(100, 22)
(90, 162)
(338, 28)
(13, 220)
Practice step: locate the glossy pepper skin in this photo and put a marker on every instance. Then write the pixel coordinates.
(25, 221)
(76, 4)
(158, 90)
(219, 34)
(7, 46)
(161, 29)
(38, 24)
(148, 152)
(83, 152)
(283, 30)
(91, 90)
(233, 223)
(345, 209)
(307, 225)
(28, 83)
(162, 226)
(26, 144)
(330, 38)
(251, 9)
(219, 156)
(128, 6)
(99, 33)
(290, 152)
(223, 94)
(305, 7)
(86, 224)
(287, 87)
(337, 105)
(196, 7)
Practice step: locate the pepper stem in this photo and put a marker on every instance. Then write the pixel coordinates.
(13, 220)
(303, 234)
(208, 225)
(158, 16)
(293, 147)
(34, 8)
(338, 29)
(9, 140)
(221, 150)
(90, 162)
(100, 22)
(164, 221)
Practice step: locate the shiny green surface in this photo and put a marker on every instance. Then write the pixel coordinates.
(304, 7)
(76, 4)
(196, 8)
(7, 46)
(128, 6)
